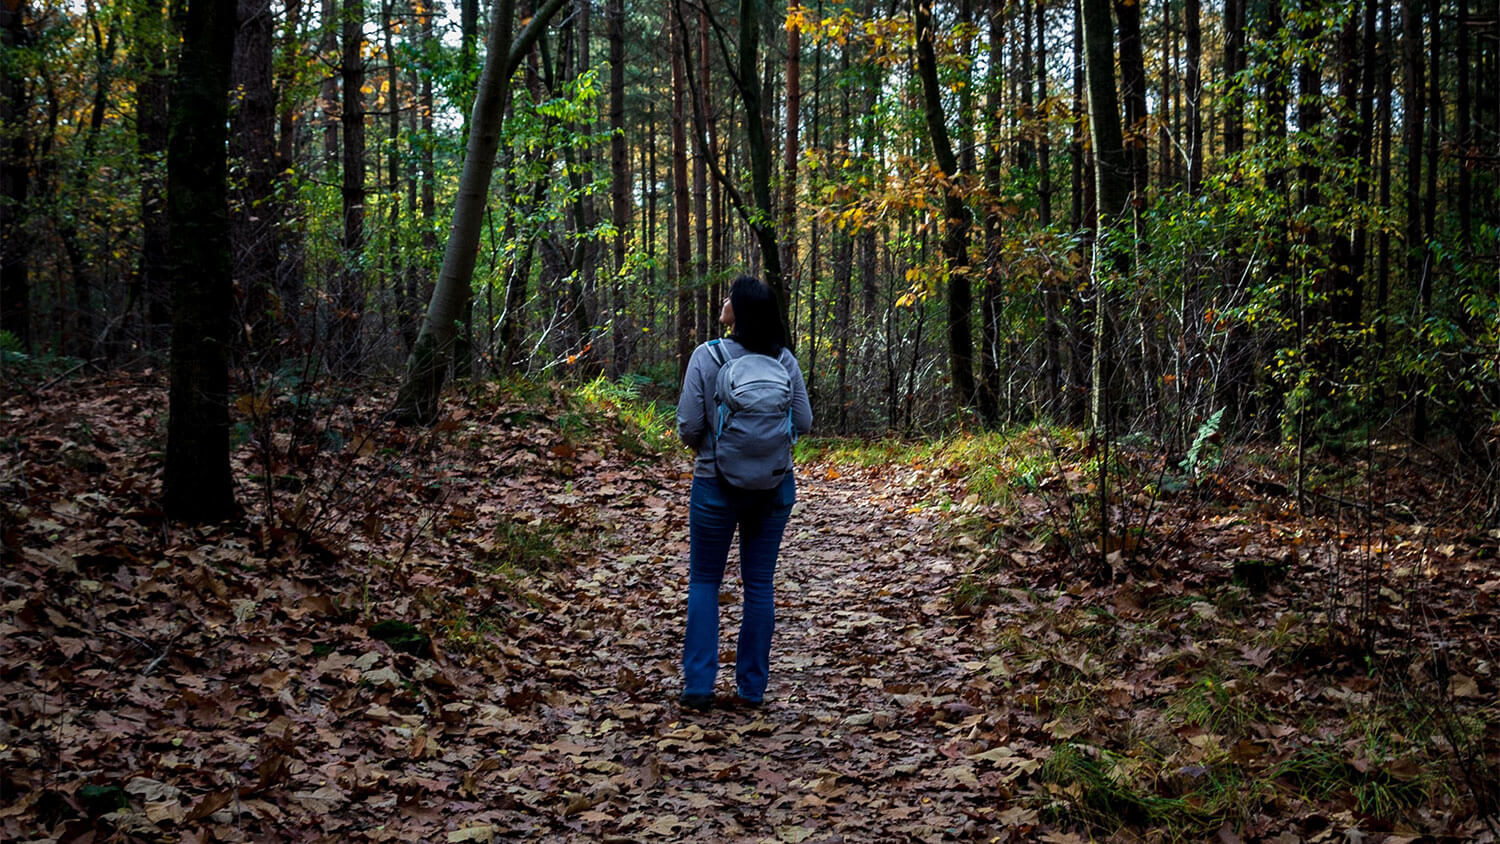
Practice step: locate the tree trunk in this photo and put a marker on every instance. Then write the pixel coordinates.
(682, 238)
(198, 486)
(619, 166)
(1412, 109)
(789, 160)
(1465, 132)
(1137, 135)
(707, 314)
(1044, 125)
(81, 328)
(1433, 110)
(429, 165)
(15, 183)
(1112, 177)
(1234, 65)
(328, 94)
(152, 285)
(254, 217)
(1383, 241)
(1194, 95)
(763, 223)
(468, 40)
(649, 223)
(1077, 219)
(349, 294)
(956, 225)
(990, 302)
(417, 400)
(396, 258)
(289, 274)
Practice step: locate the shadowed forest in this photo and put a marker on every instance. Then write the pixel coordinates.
(1153, 350)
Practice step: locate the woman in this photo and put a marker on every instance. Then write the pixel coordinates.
(717, 508)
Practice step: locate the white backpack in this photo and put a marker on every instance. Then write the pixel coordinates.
(754, 432)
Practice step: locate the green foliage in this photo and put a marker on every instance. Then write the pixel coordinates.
(647, 426)
(401, 636)
(518, 546)
(1383, 788)
(1205, 443)
(1105, 790)
(1221, 708)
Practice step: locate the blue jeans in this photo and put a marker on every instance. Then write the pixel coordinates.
(761, 518)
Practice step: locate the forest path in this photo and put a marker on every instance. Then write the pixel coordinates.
(865, 735)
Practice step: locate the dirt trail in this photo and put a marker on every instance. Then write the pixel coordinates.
(864, 736)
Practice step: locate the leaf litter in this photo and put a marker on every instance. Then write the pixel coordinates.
(472, 634)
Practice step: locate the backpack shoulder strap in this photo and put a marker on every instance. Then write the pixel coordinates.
(717, 350)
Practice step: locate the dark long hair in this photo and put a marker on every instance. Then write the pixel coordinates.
(757, 318)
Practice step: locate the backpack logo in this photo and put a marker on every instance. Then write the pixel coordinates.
(754, 432)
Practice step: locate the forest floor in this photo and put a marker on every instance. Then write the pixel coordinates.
(472, 633)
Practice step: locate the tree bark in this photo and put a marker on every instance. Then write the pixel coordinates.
(1194, 95)
(151, 287)
(417, 400)
(1433, 110)
(15, 183)
(328, 94)
(349, 293)
(1234, 65)
(1465, 133)
(289, 275)
(763, 222)
(955, 242)
(707, 323)
(990, 302)
(1044, 140)
(254, 217)
(1112, 177)
(682, 237)
(1412, 108)
(1137, 135)
(198, 486)
(789, 159)
(619, 166)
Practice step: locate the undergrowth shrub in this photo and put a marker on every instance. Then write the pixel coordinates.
(648, 425)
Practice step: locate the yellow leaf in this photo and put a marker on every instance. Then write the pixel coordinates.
(484, 832)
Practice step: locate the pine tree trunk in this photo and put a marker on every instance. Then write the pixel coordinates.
(789, 159)
(1411, 48)
(619, 166)
(1194, 94)
(254, 219)
(15, 184)
(290, 270)
(682, 239)
(1112, 177)
(707, 323)
(1465, 133)
(328, 94)
(1137, 133)
(994, 266)
(1383, 241)
(198, 486)
(349, 294)
(1433, 110)
(955, 242)
(1234, 65)
(151, 287)
(759, 149)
